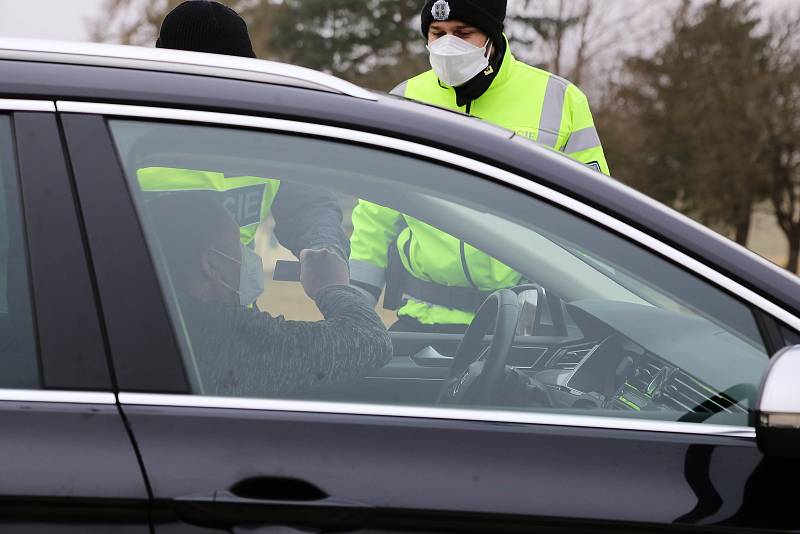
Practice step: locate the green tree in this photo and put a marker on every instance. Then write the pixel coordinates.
(781, 136)
(684, 126)
(375, 43)
(131, 22)
(580, 39)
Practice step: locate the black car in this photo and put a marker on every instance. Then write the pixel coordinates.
(654, 390)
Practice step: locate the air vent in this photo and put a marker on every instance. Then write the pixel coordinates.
(569, 358)
(681, 391)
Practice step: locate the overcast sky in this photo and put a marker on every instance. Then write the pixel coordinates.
(48, 19)
(69, 19)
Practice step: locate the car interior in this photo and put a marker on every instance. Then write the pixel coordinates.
(597, 326)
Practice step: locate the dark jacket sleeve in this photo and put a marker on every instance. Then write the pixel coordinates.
(247, 353)
(308, 217)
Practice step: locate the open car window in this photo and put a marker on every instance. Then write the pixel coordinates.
(614, 329)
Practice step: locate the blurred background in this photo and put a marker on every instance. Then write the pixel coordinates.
(697, 101)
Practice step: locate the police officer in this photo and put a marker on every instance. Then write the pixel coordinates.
(305, 218)
(474, 71)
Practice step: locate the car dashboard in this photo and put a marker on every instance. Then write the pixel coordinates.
(617, 374)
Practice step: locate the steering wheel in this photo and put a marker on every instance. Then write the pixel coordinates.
(475, 379)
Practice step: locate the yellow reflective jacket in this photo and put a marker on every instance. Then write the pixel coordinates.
(531, 102)
(247, 198)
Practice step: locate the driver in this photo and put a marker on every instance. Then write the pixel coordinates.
(243, 352)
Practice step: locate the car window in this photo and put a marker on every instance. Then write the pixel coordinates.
(602, 326)
(18, 357)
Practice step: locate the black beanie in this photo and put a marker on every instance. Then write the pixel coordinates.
(486, 15)
(204, 26)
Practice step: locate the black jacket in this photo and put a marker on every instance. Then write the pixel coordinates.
(242, 352)
(308, 217)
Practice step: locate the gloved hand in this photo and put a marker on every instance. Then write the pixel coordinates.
(322, 268)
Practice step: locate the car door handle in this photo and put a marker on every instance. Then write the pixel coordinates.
(430, 357)
(271, 501)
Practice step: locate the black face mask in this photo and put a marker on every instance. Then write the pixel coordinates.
(477, 86)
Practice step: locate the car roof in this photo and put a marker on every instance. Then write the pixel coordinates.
(194, 81)
(179, 61)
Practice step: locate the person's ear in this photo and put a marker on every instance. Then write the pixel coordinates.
(210, 269)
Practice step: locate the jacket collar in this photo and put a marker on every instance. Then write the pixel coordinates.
(506, 68)
(481, 84)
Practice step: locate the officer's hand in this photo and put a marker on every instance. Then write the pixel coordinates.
(320, 269)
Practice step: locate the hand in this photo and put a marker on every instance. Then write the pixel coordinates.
(320, 269)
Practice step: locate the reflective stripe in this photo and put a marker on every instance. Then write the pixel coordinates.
(582, 140)
(367, 273)
(552, 111)
(400, 90)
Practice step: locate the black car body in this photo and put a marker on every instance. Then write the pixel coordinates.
(108, 436)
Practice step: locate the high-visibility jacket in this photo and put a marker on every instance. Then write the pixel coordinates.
(531, 102)
(247, 198)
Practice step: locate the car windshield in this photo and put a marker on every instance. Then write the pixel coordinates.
(640, 287)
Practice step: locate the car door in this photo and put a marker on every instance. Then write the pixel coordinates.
(670, 445)
(68, 464)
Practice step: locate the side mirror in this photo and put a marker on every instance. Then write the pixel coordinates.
(778, 406)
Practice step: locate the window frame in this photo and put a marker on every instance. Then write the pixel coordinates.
(70, 349)
(141, 339)
(414, 150)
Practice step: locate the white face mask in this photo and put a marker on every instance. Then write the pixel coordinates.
(251, 276)
(456, 61)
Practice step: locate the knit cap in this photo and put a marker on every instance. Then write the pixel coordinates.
(486, 15)
(205, 26)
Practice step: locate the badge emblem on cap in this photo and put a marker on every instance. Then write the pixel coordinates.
(441, 10)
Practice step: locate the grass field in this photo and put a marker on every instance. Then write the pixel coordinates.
(767, 239)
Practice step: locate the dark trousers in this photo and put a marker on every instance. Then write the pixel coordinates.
(409, 324)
